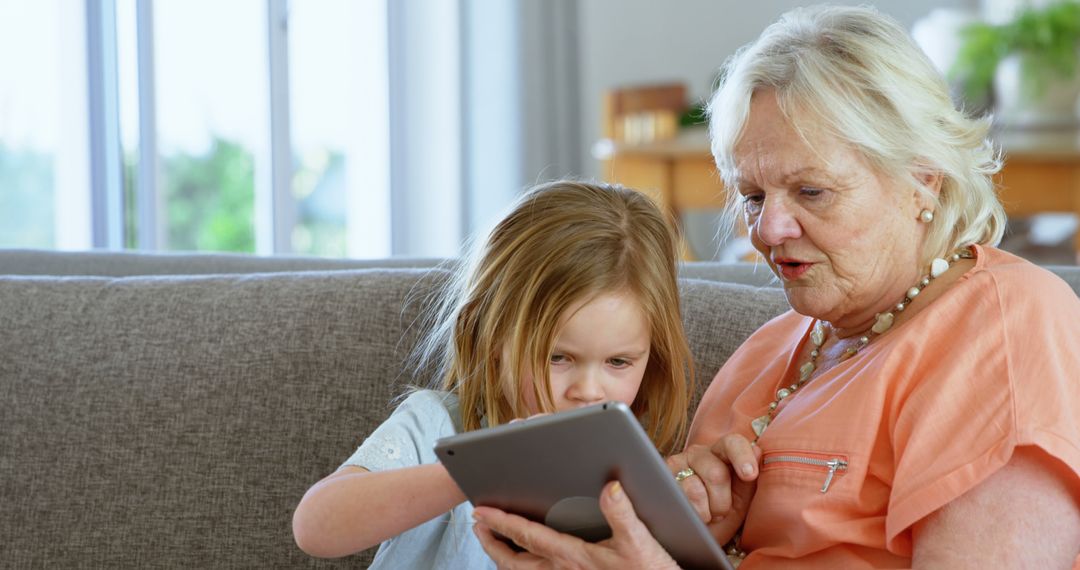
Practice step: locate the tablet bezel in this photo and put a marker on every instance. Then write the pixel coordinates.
(527, 466)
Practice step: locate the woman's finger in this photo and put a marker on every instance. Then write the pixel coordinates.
(619, 513)
(739, 452)
(698, 497)
(714, 476)
(630, 536)
(541, 543)
(692, 485)
(679, 464)
(503, 556)
(676, 463)
(741, 493)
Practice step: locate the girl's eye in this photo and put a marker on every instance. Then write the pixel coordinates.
(619, 362)
(557, 358)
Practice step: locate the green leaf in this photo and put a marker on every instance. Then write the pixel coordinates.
(1048, 38)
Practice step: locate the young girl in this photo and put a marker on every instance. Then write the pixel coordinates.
(571, 301)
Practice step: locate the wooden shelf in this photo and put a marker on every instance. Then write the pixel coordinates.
(1041, 172)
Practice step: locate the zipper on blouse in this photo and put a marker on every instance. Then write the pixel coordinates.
(833, 465)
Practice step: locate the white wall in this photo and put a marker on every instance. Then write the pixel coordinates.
(627, 42)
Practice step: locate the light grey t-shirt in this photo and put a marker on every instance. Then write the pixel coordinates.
(408, 438)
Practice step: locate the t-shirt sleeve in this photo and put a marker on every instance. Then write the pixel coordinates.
(408, 436)
(1006, 374)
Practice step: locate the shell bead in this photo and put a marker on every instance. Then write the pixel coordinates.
(883, 323)
(759, 424)
(938, 266)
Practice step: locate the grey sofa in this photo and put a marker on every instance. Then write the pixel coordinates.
(169, 411)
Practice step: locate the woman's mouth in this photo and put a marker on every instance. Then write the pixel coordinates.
(791, 269)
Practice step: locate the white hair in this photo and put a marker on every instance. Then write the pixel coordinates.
(855, 74)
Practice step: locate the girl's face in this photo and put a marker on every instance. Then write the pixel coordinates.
(600, 353)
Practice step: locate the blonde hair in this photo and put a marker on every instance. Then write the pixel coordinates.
(562, 243)
(855, 74)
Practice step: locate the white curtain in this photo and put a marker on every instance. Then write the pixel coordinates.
(483, 105)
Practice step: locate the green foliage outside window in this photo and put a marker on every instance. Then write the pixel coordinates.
(210, 199)
(1048, 37)
(131, 218)
(26, 199)
(319, 191)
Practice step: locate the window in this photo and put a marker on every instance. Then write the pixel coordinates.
(43, 126)
(212, 120)
(328, 127)
(340, 124)
(245, 126)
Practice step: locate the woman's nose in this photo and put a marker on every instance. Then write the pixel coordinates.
(776, 223)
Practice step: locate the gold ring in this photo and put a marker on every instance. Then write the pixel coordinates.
(688, 472)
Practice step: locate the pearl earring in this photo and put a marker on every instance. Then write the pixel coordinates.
(926, 216)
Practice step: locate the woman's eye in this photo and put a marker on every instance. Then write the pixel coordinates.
(810, 191)
(752, 202)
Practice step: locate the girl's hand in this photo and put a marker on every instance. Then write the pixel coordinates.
(719, 498)
(630, 546)
(529, 418)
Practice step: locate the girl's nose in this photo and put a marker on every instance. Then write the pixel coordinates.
(586, 387)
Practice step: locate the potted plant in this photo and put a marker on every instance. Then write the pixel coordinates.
(1031, 62)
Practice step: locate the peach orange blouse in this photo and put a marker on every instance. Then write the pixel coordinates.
(924, 413)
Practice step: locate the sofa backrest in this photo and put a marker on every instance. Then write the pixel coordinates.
(130, 263)
(175, 421)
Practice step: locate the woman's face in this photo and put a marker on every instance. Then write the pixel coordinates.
(843, 238)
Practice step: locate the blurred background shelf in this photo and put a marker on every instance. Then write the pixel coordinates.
(1041, 175)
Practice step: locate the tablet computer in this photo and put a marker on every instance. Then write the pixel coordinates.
(552, 468)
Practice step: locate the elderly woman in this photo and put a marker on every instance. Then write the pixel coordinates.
(920, 404)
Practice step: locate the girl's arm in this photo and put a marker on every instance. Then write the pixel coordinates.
(354, 509)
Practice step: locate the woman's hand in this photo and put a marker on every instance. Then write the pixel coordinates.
(720, 499)
(630, 546)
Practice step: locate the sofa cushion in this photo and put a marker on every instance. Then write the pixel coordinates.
(718, 317)
(175, 421)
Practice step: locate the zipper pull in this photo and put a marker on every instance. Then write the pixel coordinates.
(833, 465)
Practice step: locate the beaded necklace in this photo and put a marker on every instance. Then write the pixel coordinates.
(882, 323)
